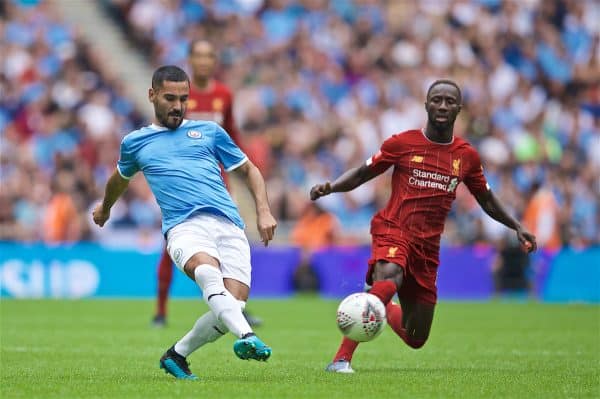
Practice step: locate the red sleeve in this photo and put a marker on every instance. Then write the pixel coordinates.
(229, 122)
(388, 154)
(474, 178)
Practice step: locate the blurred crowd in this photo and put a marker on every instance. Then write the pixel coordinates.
(318, 86)
(63, 111)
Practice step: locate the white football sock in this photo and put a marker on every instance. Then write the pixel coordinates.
(206, 329)
(220, 301)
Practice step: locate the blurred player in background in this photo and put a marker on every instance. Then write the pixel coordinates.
(209, 100)
(180, 159)
(428, 166)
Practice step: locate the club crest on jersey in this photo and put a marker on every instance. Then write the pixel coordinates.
(194, 134)
(392, 252)
(456, 167)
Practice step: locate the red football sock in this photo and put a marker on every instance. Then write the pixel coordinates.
(165, 275)
(384, 290)
(394, 318)
(346, 350)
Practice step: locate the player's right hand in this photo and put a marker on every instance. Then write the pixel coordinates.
(99, 215)
(320, 190)
(527, 240)
(266, 224)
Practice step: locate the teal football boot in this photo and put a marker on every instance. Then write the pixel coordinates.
(251, 347)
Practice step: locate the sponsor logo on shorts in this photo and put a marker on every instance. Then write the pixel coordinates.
(177, 255)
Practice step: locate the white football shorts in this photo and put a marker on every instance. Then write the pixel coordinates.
(218, 237)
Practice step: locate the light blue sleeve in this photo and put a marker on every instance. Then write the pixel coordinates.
(227, 152)
(127, 165)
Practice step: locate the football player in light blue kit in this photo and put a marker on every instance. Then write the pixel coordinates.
(205, 237)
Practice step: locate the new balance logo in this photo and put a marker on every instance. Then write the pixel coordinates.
(219, 331)
(417, 158)
(220, 293)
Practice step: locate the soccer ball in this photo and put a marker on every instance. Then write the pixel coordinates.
(361, 317)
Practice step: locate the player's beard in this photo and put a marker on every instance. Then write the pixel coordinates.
(169, 120)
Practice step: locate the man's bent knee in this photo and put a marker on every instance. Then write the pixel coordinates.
(200, 258)
(238, 289)
(388, 271)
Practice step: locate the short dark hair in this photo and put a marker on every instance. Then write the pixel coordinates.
(447, 82)
(197, 40)
(169, 73)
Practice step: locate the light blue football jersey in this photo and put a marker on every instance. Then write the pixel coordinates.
(182, 168)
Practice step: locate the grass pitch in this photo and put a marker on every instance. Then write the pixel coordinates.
(106, 349)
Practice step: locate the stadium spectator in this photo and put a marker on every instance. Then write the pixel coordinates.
(60, 115)
(316, 229)
(542, 217)
(511, 268)
(61, 220)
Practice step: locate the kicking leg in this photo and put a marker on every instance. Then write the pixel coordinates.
(387, 278)
(207, 274)
(207, 329)
(204, 269)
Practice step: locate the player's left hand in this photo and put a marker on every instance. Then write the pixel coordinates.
(99, 215)
(266, 224)
(320, 190)
(527, 240)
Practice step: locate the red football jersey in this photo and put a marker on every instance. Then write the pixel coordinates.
(214, 104)
(424, 183)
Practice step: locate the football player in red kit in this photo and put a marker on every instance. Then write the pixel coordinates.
(428, 165)
(209, 100)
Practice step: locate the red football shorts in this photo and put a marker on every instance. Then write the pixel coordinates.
(419, 266)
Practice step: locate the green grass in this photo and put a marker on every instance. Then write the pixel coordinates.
(106, 349)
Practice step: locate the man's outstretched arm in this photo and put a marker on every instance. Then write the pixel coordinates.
(265, 221)
(492, 206)
(348, 181)
(115, 186)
